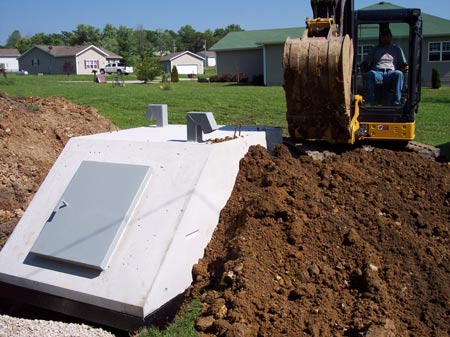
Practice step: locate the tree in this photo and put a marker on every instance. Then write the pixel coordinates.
(190, 39)
(220, 33)
(143, 45)
(109, 32)
(13, 39)
(207, 39)
(47, 39)
(108, 38)
(233, 28)
(125, 42)
(85, 34)
(165, 41)
(23, 45)
(148, 68)
(174, 75)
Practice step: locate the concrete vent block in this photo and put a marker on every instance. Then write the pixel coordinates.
(158, 113)
(199, 123)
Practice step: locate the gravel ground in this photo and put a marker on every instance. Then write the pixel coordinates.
(19, 327)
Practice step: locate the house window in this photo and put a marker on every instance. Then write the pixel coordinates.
(91, 64)
(439, 51)
(362, 51)
(35, 62)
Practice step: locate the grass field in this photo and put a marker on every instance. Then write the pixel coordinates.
(231, 104)
(126, 106)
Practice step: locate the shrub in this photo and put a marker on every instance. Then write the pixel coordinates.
(164, 78)
(174, 75)
(148, 69)
(68, 68)
(258, 80)
(435, 78)
(214, 78)
(236, 77)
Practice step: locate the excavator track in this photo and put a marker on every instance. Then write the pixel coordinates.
(317, 84)
(320, 150)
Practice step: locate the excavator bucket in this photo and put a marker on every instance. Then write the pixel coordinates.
(317, 84)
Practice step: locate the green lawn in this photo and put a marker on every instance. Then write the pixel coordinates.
(231, 104)
(126, 106)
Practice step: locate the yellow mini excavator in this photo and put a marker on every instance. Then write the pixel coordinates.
(325, 86)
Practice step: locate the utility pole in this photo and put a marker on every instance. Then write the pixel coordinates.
(205, 62)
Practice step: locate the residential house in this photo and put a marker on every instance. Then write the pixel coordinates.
(260, 52)
(209, 56)
(41, 59)
(186, 62)
(9, 59)
(254, 53)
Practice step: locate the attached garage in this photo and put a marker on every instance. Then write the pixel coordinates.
(186, 63)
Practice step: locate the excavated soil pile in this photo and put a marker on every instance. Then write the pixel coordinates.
(33, 131)
(354, 245)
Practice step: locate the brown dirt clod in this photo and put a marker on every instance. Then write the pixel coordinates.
(353, 245)
(33, 132)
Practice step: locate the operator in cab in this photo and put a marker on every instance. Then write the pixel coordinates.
(386, 64)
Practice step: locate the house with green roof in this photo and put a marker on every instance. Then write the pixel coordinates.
(260, 52)
(255, 53)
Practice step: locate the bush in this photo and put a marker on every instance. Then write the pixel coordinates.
(237, 77)
(435, 78)
(174, 75)
(164, 78)
(148, 69)
(258, 80)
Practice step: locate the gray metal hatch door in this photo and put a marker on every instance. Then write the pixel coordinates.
(93, 212)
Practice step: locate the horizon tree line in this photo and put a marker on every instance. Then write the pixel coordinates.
(131, 44)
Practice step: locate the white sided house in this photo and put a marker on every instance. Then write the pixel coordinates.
(42, 59)
(209, 56)
(187, 63)
(8, 57)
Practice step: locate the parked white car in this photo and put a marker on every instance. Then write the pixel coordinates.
(118, 68)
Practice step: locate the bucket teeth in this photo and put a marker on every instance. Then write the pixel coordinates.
(317, 84)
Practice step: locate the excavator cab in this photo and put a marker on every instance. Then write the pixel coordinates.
(326, 95)
(383, 119)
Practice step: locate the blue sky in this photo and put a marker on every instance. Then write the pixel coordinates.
(55, 16)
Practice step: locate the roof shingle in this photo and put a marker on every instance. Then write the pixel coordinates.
(6, 52)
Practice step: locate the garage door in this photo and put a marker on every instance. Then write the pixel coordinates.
(187, 69)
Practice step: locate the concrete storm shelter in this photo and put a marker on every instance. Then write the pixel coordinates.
(114, 230)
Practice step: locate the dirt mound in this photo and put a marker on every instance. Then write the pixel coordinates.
(354, 245)
(33, 131)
